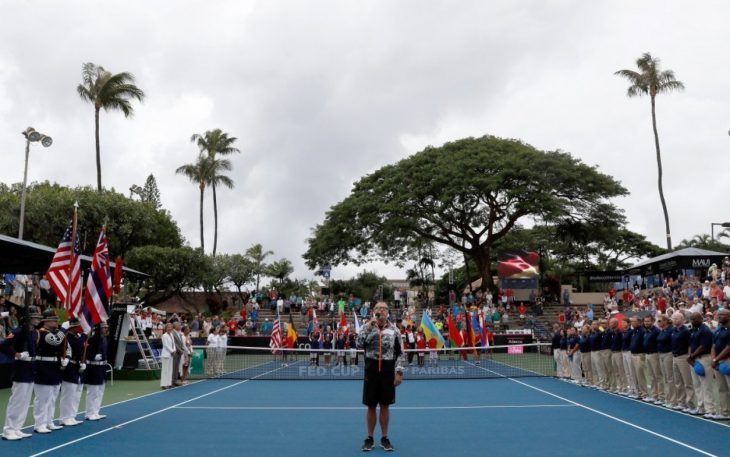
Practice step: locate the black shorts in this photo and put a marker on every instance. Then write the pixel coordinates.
(379, 387)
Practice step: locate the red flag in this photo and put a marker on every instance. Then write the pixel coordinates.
(343, 320)
(454, 334)
(118, 270)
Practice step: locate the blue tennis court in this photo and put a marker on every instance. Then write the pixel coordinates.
(527, 416)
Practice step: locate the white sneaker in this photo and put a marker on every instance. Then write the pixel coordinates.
(720, 417)
(95, 417)
(11, 435)
(41, 429)
(70, 422)
(23, 434)
(678, 407)
(709, 415)
(658, 402)
(648, 399)
(53, 426)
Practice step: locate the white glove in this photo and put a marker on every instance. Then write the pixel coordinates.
(25, 357)
(4, 314)
(64, 362)
(82, 367)
(97, 357)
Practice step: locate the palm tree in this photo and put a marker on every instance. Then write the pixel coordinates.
(649, 80)
(280, 270)
(216, 142)
(257, 255)
(198, 173)
(108, 91)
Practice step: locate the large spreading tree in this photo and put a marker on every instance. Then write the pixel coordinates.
(466, 195)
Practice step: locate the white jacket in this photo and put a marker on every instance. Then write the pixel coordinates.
(168, 346)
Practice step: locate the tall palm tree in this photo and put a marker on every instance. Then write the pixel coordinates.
(258, 256)
(216, 168)
(110, 92)
(198, 173)
(216, 142)
(650, 80)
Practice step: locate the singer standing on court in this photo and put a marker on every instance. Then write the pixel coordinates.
(168, 350)
(384, 364)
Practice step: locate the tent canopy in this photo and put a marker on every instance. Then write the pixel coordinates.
(682, 259)
(25, 257)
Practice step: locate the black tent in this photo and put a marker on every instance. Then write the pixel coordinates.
(25, 257)
(682, 259)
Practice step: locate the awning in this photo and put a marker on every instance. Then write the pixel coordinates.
(25, 257)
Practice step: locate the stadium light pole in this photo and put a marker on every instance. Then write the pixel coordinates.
(720, 224)
(30, 135)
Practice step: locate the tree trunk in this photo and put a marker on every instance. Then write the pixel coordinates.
(202, 239)
(215, 221)
(98, 149)
(468, 273)
(483, 259)
(659, 167)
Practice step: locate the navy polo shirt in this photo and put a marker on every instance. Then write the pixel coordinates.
(701, 336)
(680, 341)
(573, 341)
(721, 339)
(626, 340)
(564, 343)
(664, 340)
(617, 342)
(606, 339)
(585, 344)
(650, 337)
(556, 340)
(596, 338)
(637, 341)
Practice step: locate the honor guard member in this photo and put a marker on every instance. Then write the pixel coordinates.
(95, 374)
(638, 358)
(605, 354)
(21, 346)
(71, 385)
(49, 360)
(596, 339)
(618, 376)
(700, 345)
(721, 355)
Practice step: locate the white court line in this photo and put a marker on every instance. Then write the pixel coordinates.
(154, 413)
(362, 408)
(630, 424)
(154, 393)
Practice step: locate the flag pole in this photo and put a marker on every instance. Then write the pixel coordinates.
(74, 229)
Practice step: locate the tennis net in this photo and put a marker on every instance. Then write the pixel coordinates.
(330, 364)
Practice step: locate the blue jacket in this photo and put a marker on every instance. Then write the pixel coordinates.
(637, 341)
(680, 341)
(650, 337)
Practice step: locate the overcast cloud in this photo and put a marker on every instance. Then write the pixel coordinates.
(320, 93)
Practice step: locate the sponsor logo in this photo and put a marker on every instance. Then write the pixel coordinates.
(701, 263)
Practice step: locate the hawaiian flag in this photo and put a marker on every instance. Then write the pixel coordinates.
(64, 274)
(99, 282)
(275, 343)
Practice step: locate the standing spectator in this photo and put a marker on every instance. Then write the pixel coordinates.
(700, 345)
(188, 355)
(168, 352)
(566, 297)
(685, 399)
(211, 352)
(721, 354)
(195, 327)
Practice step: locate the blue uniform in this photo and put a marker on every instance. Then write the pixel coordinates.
(49, 353)
(680, 341)
(617, 342)
(606, 339)
(650, 337)
(24, 340)
(664, 340)
(564, 343)
(75, 352)
(721, 339)
(626, 340)
(700, 336)
(95, 373)
(637, 341)
(573, 341)
(585, 344)
(595, 339)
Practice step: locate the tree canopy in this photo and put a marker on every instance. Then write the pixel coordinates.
(49, 208)
(466, 195)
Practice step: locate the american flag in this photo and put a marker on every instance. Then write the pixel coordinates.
(99, 282)
(64, 274)
(275, 343)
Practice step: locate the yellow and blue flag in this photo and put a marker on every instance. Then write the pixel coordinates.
(430, 331)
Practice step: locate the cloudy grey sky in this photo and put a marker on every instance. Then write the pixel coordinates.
(321, 92)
